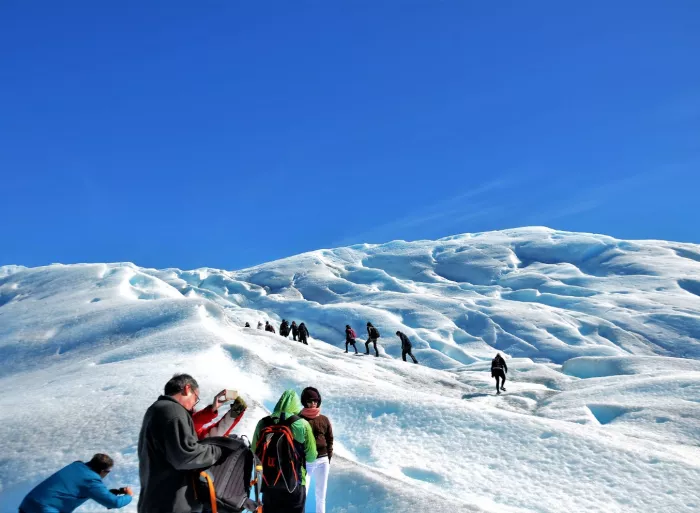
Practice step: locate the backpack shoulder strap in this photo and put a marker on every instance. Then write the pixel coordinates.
(267, 422)
(290, 420)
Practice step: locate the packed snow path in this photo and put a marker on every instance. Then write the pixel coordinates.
(602, 411)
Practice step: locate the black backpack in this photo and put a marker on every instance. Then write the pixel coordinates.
(225, 486)
(281, 457)
(374, 332)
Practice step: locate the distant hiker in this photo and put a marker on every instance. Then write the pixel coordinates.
(74, 484)
(323, 434)
(169, 450)
(284, 467)
(350, 337)
(260, 325)
(373, 334)
(269, 327)
(499, 370)
(303, 334)
(284, 328)
(247, 325)
(223, 427)
(295, 330)
(405, 347)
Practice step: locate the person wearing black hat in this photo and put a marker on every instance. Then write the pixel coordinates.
(323, 433)
(350, 337)
(405, 347)
(373, 334)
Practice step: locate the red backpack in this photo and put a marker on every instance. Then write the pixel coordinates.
(281, 457)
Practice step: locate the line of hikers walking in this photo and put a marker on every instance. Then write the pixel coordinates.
(372, 336)
(301, 331)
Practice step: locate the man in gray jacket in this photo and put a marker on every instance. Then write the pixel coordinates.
(169, 450)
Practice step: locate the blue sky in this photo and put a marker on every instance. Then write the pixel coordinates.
(226, 134)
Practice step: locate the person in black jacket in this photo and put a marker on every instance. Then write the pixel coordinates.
(373, 334)
(499, 370)
(269, 327)
(169, 450)
(284, 328)
(406, 347)
(350, 337)
(303, 334)
(295, 330)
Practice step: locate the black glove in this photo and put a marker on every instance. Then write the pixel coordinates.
(118, 491)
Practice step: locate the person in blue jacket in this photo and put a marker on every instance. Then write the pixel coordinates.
(71, 486)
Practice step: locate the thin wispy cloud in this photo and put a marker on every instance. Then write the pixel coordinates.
(446, 212)
(591, 198)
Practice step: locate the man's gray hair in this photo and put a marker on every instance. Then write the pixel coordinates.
(178, 383)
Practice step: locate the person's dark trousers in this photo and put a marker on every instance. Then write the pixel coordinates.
(294, 336)
(352, 344)
(502, 375)
(372, 340)
(282, 502)
(302, 339)
(409, 353)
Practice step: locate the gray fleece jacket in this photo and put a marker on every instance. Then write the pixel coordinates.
(169, 452)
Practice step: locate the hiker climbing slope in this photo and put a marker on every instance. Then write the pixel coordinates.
(498, 371)
(406, 348)
(303, 334)
(373, 334)
(350, 338)
(284, 328)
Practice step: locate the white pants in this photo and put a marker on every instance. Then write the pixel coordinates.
(318, 470)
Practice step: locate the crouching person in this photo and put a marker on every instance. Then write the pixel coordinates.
(74, 484)
(284, 469)
(169, 450)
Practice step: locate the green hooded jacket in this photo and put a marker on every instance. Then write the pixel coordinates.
(288, 405)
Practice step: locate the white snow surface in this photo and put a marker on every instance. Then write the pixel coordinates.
(601, 413)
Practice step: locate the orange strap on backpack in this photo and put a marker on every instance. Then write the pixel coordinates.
(212, 492)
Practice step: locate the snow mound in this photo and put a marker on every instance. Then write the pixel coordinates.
(602, 411)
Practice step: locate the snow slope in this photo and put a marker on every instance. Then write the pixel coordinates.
(601, 337)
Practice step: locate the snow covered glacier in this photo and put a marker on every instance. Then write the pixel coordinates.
(602, 337)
